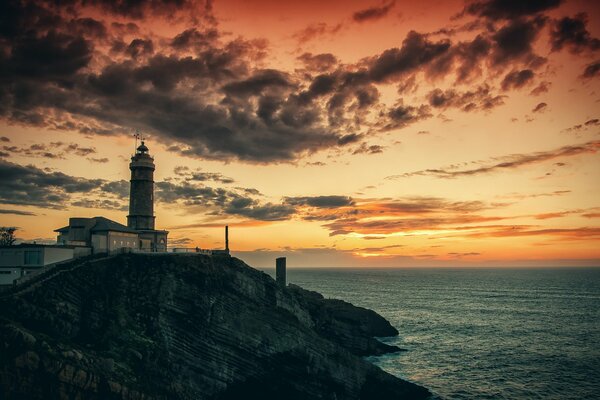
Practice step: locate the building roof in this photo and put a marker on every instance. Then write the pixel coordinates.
(102, 225)
(105, 224)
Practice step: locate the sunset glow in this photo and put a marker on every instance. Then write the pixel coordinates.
(339, 133)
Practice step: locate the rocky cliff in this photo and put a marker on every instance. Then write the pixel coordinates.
(185, 327)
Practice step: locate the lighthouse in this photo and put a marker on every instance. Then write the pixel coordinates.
(141, 201)
(141, 194)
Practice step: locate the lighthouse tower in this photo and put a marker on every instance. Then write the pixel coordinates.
(141, 195)
(141, 202)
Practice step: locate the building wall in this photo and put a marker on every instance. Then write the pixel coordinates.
(8, 275)
(119, 240)
(52, 255)
(100, 242)
(34, 257)
(11, 257)
(153, 240)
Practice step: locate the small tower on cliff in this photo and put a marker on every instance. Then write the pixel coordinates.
(141, 195)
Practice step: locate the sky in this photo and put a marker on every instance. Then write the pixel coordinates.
(335, 133)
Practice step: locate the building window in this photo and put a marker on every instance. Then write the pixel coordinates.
(32, 257)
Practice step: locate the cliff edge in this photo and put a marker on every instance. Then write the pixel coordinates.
(186, 327)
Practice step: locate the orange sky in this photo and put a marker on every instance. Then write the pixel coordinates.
(342, 133)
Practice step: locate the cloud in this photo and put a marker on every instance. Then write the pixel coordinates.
(364, 148)
(541, 107)
(373, 13)
(104, 204)
(541, 88)
(54, 150)
(206, 94)
(509, 162)
(517, 79)
(481, 98)
(319, 62)
(253, 209)
(564, 234)
(316, 30)
(591, 70)
(377, 218)
(583, 126)
(320, 201)
(514, 42)
(29, 185)
(572, 33)
(416, 51)
(509, 9)
(102, 160)
(17, 212)
(185, 173)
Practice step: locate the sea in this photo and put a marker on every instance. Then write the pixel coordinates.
(488, 333)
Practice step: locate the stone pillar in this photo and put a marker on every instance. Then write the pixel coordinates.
(227, 237)
(280, 271)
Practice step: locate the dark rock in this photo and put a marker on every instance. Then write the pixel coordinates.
(186, 327)
(352, 327)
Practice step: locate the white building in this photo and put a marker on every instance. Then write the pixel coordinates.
(20, 260)
(100, 234)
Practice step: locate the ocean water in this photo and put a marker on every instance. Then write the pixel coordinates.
(481, 333)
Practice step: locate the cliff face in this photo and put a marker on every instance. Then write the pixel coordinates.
(186, 327)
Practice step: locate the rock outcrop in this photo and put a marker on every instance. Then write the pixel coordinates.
(186, 327)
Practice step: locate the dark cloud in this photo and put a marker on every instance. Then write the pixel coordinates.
(259, 82)
(319, 62)
(212, 96)
(573, 34)
(140, 47)
(509, 162)
(373, 13)
(471, 55)
(193, 38)
(481, 98)
(542, 87)
(17, 212)
(514, 42)
(401, 116)
(222, 201)
(592, 70)
(517, 79)
(320, 201)
(540, 107)
(264, 212)
(102, 160)
(415, 52)
(29, 185)
(117, 188)
(583, 126)
(198, 175)
(139, 9)
(104, 204)
(364, 148)
(316, 30)
(509, 9)
(54, 150)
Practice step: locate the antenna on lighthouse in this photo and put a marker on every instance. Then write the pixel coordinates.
(136, 135)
